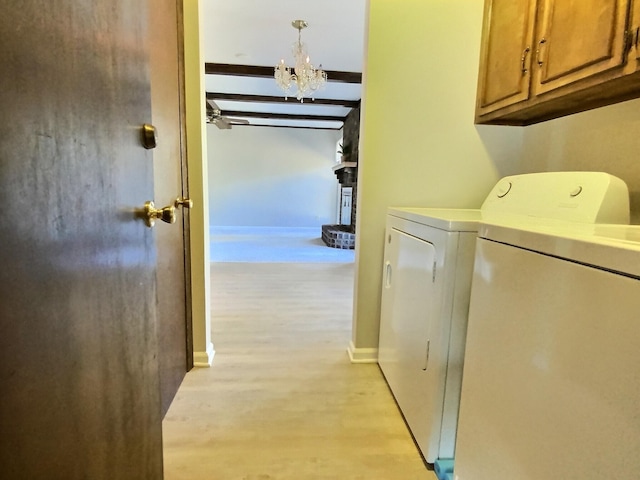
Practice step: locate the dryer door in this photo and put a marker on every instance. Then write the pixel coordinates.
(407, 313)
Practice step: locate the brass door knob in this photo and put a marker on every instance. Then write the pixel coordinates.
(183, 202)
(166, 214)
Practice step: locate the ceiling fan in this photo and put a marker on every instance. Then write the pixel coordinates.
(214, 115)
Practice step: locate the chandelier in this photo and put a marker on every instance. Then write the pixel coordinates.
(305, 79)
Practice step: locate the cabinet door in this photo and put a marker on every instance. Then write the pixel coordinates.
(578, 39)
(505, 57)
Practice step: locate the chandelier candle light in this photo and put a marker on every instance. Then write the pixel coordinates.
(305, 78)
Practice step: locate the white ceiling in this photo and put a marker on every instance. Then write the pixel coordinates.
(259, 33)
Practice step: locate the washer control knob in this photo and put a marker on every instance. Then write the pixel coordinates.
(503, 189)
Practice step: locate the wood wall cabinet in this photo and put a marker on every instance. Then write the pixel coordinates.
(505, 68)
(543, 59)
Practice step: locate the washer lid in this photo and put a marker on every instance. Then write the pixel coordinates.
(450, 219)
(611, 247)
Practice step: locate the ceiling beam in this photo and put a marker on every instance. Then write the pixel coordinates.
(240, 97)
(287, 126)
(282, 116)
(267, 72)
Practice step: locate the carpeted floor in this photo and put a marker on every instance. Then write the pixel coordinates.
(273, 244)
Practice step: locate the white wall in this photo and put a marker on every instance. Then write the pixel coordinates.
(606, 139)
(418, 144)
(261, 176)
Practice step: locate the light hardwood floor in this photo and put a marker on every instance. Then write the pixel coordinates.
(282, 401)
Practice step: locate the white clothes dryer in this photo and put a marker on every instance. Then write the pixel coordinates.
(428, 266)
(428, 262)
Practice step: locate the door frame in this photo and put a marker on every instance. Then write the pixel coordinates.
(196, 158)
(186, 217)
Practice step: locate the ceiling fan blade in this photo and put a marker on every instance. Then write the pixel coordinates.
(237, 121)
(211, 105)
(222, 123)
(214, 115)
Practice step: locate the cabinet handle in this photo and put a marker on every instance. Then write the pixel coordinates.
(542, 42)
(522, 60)
(637, 35)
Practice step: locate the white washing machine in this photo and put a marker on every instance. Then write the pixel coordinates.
(551, 384)
(428, 265)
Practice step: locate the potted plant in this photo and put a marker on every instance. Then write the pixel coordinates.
(345, 151)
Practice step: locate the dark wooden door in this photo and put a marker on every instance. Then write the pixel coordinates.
(167, 98)
(79, 390)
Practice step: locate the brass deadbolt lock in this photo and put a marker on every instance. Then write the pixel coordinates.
(149, 136)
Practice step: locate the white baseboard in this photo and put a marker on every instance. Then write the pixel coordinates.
(204, 359)
(362, 355)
